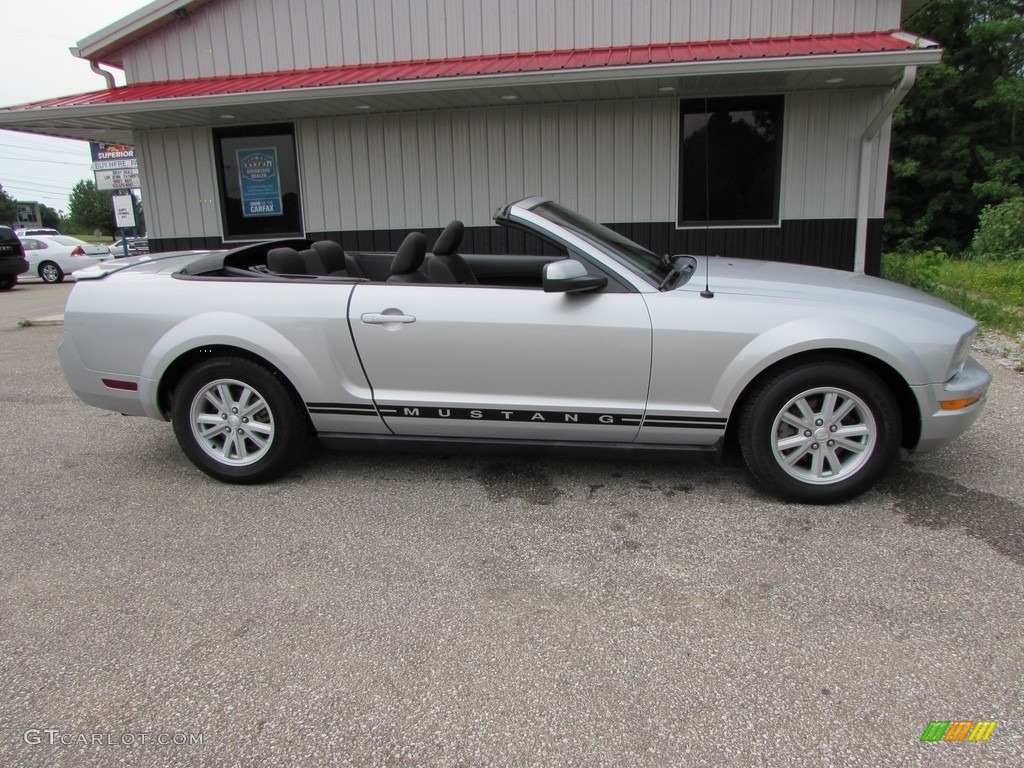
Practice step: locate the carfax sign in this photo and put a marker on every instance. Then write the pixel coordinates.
(260, 182)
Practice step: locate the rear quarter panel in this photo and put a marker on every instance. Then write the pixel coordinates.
(136, 325)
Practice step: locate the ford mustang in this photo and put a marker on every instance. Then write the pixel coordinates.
(586, 340)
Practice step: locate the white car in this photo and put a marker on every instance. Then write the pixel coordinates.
(54, 257)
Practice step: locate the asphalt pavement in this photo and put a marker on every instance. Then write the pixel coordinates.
(433, 610)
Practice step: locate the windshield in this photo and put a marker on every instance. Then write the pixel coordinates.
(622, 249)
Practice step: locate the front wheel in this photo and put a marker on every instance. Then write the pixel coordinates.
(821, 433)
(238, 421)
(50, 272)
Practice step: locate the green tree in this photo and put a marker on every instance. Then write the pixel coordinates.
(49, 217)
(8, 208)
(90, 209)
(959, 135)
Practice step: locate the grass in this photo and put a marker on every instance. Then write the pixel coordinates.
(991, 291)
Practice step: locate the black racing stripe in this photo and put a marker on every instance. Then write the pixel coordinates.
(342, 409)
(684, 421)
(509, 415)
(518, 415)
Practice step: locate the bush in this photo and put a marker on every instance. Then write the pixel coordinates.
(918, 270)
(1000, 233)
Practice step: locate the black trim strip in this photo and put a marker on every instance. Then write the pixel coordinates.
(343, 409)
(518, 415)
(685, 422)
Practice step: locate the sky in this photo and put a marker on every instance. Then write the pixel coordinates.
(36, 65)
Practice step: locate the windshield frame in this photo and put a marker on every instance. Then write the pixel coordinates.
(638, 260)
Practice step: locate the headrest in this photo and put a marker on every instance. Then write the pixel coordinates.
(449, 240)
(410, 254)
(285, 261)
(329, 249)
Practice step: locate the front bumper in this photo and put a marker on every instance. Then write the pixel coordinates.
(940, 427)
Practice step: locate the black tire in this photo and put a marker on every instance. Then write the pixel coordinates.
(264, 433)
(820, 433)
(51, 272)
(7, 282)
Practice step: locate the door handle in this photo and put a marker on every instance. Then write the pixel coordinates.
(384, 318)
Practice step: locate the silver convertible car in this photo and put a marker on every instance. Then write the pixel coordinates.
(819, 376)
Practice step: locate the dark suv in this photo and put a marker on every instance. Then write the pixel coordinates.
(12, 258)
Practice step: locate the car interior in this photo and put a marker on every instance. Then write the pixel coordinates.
(415, 261)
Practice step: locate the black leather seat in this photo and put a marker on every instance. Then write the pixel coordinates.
(446, 265)
(329, 258)
(286, 261)
(405, 268)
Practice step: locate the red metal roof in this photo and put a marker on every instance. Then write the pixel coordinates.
(493, 64)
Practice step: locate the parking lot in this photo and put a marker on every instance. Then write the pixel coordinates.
(393, 609)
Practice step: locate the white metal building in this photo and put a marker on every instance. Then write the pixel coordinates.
(755, 128)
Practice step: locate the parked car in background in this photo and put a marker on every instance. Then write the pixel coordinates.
(137, 246)
(12, 259)
(54, 257)
(36, 231)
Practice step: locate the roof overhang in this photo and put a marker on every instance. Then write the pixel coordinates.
(108, 45)
(665, 71)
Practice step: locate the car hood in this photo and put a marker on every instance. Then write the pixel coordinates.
(799, 282)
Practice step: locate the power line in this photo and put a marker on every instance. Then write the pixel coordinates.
(46, 150)
(55, 162)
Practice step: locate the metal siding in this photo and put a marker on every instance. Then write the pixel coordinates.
(602, 34)
(490, 25)
(700, 21)
(720, 14)
(362, 181)
(315, 40)
(607, 184)
(426, 152)
(543, 24)
(803, 17)
(821, 160)
(344, 44)
(740, 26)
(642, 148)
(384, 32)
(445, 158)
(664, 159)
(273, 35)
(527, 25)
(823, 17)
(586, 160)
(178, 176)
(508, 25)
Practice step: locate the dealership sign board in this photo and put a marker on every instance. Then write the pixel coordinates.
(115, 166)
(118, 178)
(107, 157)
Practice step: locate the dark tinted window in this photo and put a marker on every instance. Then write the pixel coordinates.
(730, 160)
(259, 182)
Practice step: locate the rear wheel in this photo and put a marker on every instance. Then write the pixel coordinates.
(238, 421)
(50, 272)
(821, 433)
(7, 282)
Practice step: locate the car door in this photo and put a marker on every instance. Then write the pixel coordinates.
(507, 363)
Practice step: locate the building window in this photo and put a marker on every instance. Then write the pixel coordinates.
(259, 182)
(730, 161)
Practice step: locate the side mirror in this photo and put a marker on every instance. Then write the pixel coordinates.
(568, 276)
